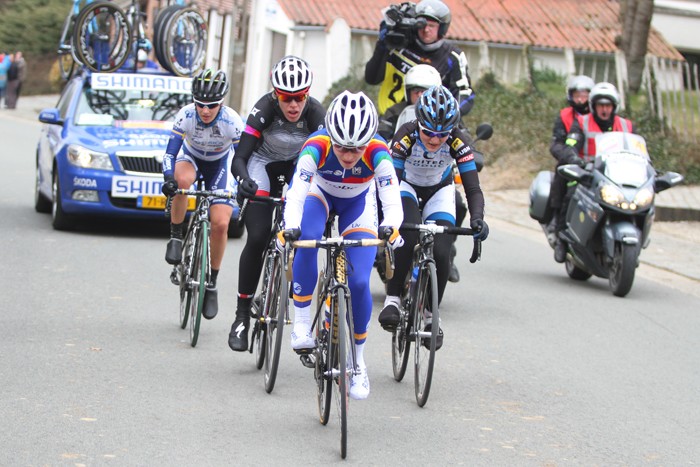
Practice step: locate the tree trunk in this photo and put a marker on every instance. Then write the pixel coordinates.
(635, 18)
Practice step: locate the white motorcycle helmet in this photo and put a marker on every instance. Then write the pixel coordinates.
(605, 93)
(420, 76)
(578, 83)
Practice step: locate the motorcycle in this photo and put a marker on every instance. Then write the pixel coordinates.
(483, 132)
(610, 212)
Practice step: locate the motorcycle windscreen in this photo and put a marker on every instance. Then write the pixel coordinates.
(627, 169)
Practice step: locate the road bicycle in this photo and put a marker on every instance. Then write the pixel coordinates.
(333, 359)
(419, 308)
(193, 273)
(270, 309)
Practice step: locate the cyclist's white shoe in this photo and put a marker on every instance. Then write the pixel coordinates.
(359, 384)
(302, 338)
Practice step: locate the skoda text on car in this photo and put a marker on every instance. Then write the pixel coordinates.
(101, 149)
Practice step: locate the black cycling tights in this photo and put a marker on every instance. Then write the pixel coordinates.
(404, 255)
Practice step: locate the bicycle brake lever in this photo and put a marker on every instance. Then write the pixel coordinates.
(476, 252)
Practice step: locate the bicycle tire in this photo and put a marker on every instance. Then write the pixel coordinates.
(107, 49)
(259, 335)
(185, 277)
(342, 383)
(159, 41)
(199, 280)
(323, 366)
(401, 337)
(277, 312)
(425, 356)
(185, 42)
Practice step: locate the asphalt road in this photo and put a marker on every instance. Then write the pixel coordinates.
(536, 369)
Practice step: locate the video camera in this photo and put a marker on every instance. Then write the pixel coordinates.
(403, 24)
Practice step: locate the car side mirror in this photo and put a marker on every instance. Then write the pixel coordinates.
(51, 116)
(666, 181)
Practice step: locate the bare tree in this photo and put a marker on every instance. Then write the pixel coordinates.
(635, 18)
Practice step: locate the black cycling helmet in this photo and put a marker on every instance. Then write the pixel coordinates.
(209, 86)
(437, 109)
(437, 11)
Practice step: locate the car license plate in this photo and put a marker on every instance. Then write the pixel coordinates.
(158, 202)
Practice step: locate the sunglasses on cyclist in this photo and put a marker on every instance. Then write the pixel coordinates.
(436, 134)
(207, 105)
(339, 148)
(298, 97)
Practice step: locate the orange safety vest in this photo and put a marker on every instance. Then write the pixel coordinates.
(591, 129)
(567, 116)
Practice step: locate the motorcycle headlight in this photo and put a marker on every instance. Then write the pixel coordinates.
(83, 157)
(611, 194)
(644, 197)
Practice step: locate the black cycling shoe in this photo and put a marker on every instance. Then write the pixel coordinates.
(238, 337)
(389, 317)
(173, 252)
(211, 303)
(560, 251)
(438, 340)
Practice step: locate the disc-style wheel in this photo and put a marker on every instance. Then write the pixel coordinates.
(621, 275)
(277, 311)
(200, 267)
(102, 36)
(426, 305)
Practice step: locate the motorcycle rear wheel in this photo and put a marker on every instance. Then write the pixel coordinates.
(621, 275)
(575, 272)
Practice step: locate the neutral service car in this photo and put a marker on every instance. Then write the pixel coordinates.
(101, 149)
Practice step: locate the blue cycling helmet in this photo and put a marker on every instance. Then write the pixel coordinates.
(437, 109)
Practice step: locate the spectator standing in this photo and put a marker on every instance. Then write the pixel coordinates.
(4, 66)
(15, 76)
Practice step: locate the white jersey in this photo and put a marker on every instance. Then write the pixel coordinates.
(205, 142)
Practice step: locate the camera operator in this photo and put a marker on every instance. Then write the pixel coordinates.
(411, 34)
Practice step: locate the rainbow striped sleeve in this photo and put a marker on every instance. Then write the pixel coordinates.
(317, 147)
(377, 151)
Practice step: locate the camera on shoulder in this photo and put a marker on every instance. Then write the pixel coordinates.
(403, 25)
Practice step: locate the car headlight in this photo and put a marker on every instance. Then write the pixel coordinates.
(644, 197)
(611, 194)
(83, 157)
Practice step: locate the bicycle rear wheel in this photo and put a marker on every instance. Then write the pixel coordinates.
(324, 367)
(185, 42)
(101, 36)
(339, 346)
(425, 342)
(200, 267)
(277, 311)
(401, 337)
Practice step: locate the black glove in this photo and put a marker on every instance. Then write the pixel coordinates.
(247, 187)
(169, 187)
(481, 227)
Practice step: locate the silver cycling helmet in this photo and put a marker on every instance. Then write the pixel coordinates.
(352, 119)
(291, 75)
(604, 93)
(420, 76)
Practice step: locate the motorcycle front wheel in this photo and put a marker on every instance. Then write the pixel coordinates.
(621, 274)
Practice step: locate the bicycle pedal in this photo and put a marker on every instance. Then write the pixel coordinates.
(308, 360)
(304, 352)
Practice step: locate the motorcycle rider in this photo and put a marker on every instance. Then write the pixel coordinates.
(577, 92)
(389, 65)
(603, 102)
(276, 129)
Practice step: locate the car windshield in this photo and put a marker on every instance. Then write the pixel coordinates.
(116, 97)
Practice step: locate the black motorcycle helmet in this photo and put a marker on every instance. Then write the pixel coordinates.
(209, 86)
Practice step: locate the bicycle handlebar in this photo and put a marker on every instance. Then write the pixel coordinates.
(337, 241)
(448, 229)
(264, 199)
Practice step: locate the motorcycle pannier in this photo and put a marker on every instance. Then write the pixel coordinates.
(539, 197)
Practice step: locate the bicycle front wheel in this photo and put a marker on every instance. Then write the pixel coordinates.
(279, 301)
(340, 338)
(200, 267)
(426, 341)
(101, 36)
(324, 366)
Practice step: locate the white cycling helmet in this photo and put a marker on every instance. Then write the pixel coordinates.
(420, 76)
(352, 119)
(604, 93)
(291, 75)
